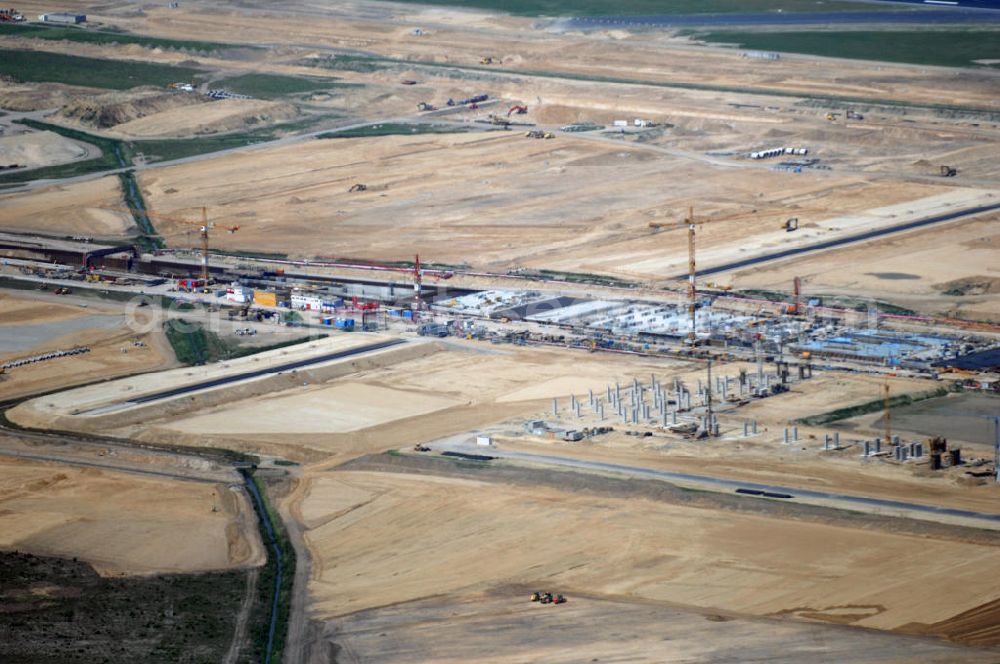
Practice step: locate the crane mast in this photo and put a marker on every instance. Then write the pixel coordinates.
(692, 290)
(204, 247)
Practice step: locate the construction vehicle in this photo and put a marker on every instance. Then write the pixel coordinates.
(948, 171)
(517, 108)
(791, 224)
(832, 116)
(490, 60)
(419, 447)
(537, 133)
(10, 16)
(498, 120)
(851, 115)
(357, 187)
(547, 598)
(62, 291)
(471, 100)
(424, 106)
(408, 81)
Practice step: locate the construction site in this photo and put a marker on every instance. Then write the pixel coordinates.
(403, 332)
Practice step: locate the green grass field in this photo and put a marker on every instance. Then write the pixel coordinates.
(946, 48)
(41, 67)
(87, 36)
(649, 7)
(273, 86)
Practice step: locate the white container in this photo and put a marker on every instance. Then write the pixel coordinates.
(484, 441)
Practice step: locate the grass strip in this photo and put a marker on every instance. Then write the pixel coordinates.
(873, 406)
(943, 48)
(89, 36)
(45, 67)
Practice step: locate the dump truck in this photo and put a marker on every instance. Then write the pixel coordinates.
(537, 133)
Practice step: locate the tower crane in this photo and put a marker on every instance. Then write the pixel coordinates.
(204, 227)
(690, 224)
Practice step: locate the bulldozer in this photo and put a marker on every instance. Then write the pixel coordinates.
(357, 187)
(791, 225)
(948, 171)
(547, 598)
(489, 60)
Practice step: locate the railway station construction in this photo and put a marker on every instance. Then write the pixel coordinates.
(396, 332)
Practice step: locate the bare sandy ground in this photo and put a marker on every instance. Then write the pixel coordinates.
(80, 208)
(221, 116)
(913, 270)
(19, 309)
(107, 336)
(335, 409)
(383, 538)
(42, 148)
(122, 523)
(501, 200)
(501, 626)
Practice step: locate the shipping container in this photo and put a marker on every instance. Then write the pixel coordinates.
(265, 298)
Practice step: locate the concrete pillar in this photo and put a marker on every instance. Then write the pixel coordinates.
(746, 429)
(895, 440)
(868, 448)
(663, 418)
(795, 434)
(578, 410)
(555, 407)
(754, 426)
(918, 449)
(878, 445)
(673, 417)
(836, 439)
(826, 442)
(591, 393)
(786, 436)
(902, 452)
(715, 429)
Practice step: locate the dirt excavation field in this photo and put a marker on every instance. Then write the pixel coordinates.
(425, 486)
(42, 149)
(383, 538)
(31, 326)
(80, 208)
(122, 523)
(943, 272)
